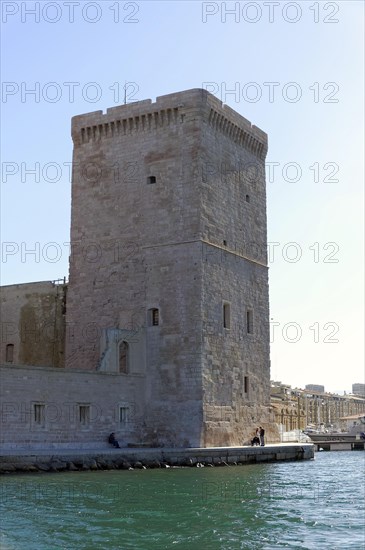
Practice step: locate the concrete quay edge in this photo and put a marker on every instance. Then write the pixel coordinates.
(173, 456)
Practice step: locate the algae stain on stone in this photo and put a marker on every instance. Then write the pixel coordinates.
(41, 330)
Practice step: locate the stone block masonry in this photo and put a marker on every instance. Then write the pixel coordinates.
(168, 198)
(130, 459)
(58, 408)
(167, 302)
(33, 324)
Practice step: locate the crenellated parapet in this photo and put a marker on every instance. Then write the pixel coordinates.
(170, 110)
(243, 137)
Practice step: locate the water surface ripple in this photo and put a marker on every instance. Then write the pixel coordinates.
(298, 505)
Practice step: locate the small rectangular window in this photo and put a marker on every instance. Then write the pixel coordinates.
(39, 414)
(249, 321)
(123, 415)
(84, 415)
(227, 316)
(151, 179)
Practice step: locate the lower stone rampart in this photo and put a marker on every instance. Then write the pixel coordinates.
(44, 408)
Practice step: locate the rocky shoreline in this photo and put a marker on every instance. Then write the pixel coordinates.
(82, 465)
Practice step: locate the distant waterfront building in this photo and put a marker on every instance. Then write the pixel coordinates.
(297, 408)
(358, 389)
(353, 420)
(314, 387)
(288, 409)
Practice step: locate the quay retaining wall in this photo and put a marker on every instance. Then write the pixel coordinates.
(339, 446)
(131, 458)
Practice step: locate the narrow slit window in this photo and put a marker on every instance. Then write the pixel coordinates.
(245, 384)
(10, 353)
(151, 179)
(249, 321)
(247, 198)
(227, 316)
(154, 317)
(39, 414)
(84, 415)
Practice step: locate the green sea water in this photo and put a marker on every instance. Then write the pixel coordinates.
(299, 505)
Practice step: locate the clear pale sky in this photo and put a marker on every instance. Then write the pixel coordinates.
(295, 69)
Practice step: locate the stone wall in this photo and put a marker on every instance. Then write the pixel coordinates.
(62, 460)
(33, 322)
(120, 223)
(236, 366)
(169, 213)
(63, 392)
(167, 302)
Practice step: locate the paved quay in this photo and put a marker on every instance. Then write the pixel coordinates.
(25, 460)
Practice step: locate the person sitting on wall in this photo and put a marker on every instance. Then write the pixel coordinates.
(256, 439)
(113, 441)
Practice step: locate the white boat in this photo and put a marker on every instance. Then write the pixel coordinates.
(345, 437)
(355, 431)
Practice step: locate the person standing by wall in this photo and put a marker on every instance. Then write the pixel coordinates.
(262, 436)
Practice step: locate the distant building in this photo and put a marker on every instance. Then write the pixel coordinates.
(358, 389)
(288, 408)
(349, 422)
(314, 387)
(297, 408)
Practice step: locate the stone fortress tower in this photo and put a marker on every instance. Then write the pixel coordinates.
(168, 271)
